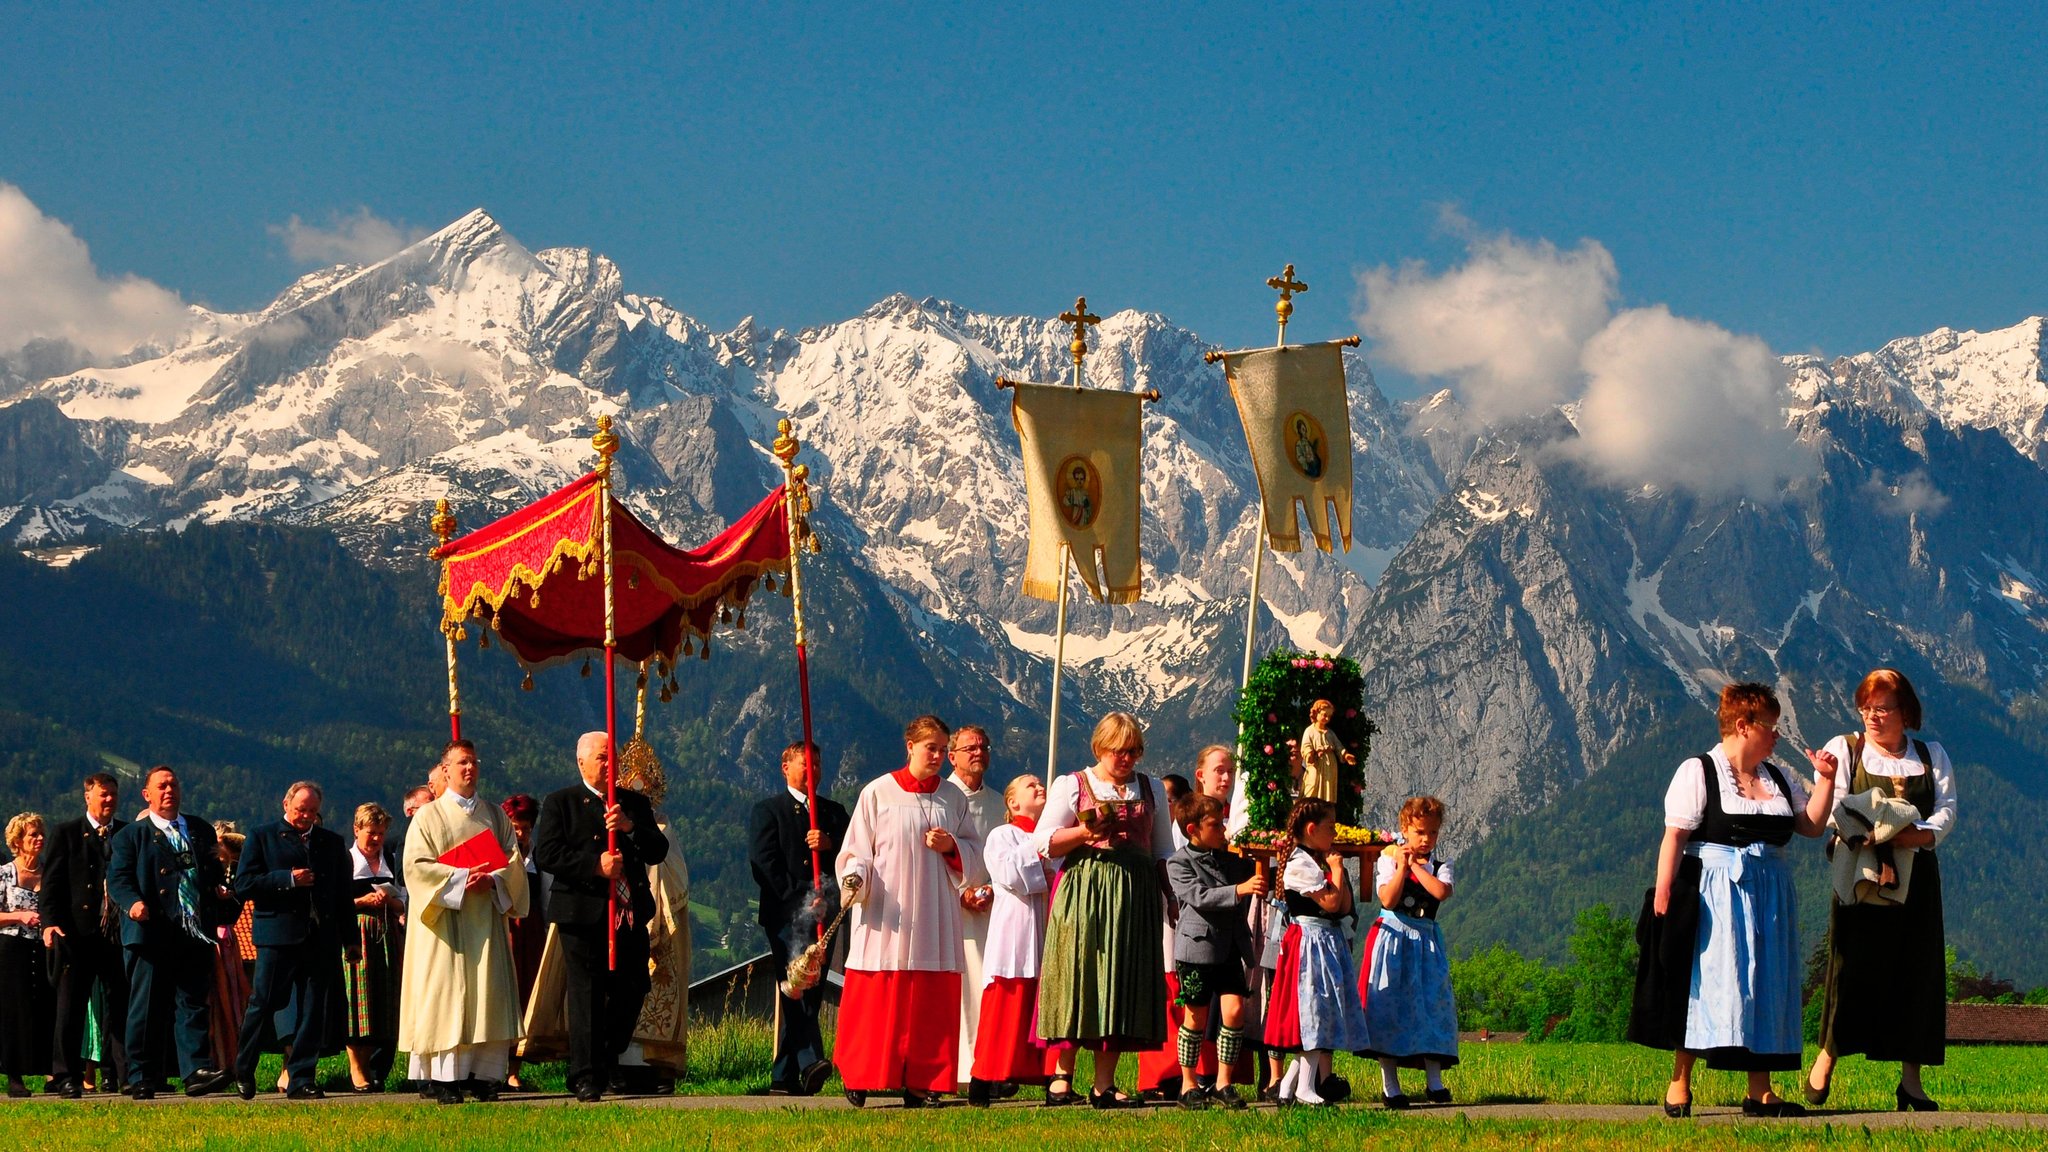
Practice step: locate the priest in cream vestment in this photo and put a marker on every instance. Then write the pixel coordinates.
(458, 1012)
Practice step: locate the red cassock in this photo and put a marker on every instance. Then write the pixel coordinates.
(1006, 1043)
(899, 1030)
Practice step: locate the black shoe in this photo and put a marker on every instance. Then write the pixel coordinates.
(1065, 1098)
(444, 1092)
(856, 1097)
(204, 1080)
(246, 1089)
(589, 1093)
(1109, 1100)
(1396, 1102)
(18, 1089)
(142, 1092)
(483, 1091)
(1815, 1096)
(1771, 1108)
(1438, 1095)
(1162, 1094)
(779, 1088)
(1226, 1097)
(1334, 1089)
(1006, 1089)
(304, 1092)
(1195, 1100)
(127, 1089)
(370, 1089)
(1270, 1094)
(916, 1100)
(1911, 1103)
(814, 1077)
(1678, 1111)
(978, 1093)
(71, 1090)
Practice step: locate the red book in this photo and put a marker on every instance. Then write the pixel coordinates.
(479, 853)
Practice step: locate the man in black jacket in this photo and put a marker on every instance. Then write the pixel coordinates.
(296, 876)
(166, 882)
(80, 921)
(569, 844)
(780, 843)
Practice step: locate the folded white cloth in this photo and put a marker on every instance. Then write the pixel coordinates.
(1862, 822)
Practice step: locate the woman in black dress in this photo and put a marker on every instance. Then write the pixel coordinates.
(29, 1019)
(1887, 959)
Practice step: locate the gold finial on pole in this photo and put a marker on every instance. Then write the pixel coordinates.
(1081, 319)
(1287, 286)
(443, 525)
(606, 442)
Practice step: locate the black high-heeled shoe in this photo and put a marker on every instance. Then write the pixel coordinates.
(1911, 1103)
(1816, 1096)
(1678, 1111)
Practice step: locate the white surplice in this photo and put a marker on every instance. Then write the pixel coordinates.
(909, 918)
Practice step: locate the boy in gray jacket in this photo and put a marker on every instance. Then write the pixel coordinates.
(1212, 945)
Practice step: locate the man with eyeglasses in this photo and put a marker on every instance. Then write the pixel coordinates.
(969, 750)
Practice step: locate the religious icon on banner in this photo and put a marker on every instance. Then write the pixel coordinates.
(1305, 445)
(1297, 423)
(1080, 454)
(1083, 494)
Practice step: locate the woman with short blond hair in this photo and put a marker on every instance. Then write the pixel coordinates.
(28, 1023)
(1103, 981)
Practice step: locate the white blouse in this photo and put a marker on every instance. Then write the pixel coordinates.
(1685, 802)
(1304, 874)
(1383, 871)
(1877, 763)
(1016, 915)
(1063, 808)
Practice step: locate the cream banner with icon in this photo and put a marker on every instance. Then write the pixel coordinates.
(1298, 425)
(1080, 450)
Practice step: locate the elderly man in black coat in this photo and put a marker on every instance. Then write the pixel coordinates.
(81, 922)
(780, 845)
(589, 884)
(166, 881)
(296, 876)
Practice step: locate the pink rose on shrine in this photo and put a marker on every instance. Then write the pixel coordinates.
(1350, 713)
(1269, 749)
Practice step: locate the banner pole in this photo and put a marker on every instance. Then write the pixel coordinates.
(1059, 661)
(795, 492)
(607, 442)
(443, 525)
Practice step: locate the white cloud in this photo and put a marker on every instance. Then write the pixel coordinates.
(1681, 402)
(359, 237)
(50, 290)
(1506, 326)
(1906, 495)
(1522, 326)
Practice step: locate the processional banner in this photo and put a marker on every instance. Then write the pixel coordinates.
(1081, 450)
(1298, 425)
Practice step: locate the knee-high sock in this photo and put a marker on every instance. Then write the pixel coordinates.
(1390, 1078)
(1188, 1046)
(1229, 1047)
(1305, 1086)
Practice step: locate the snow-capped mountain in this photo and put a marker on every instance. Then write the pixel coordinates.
(470, 367)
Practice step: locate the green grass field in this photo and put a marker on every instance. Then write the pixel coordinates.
(731, 1060)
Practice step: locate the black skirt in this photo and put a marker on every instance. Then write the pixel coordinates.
(1665, 948)
(1887, 979)
(28, 1009)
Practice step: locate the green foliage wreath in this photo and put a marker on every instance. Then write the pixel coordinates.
(1273, 711)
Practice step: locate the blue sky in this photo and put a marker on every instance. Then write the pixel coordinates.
(1824, 177)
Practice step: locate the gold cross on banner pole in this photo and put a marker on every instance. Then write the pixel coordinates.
(1081, 319)
(1287, 286)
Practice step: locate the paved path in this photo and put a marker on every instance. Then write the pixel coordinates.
(1608, 1113)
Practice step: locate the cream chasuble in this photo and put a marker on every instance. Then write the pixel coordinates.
(458, 985)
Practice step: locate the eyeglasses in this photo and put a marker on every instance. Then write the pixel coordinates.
(983, 748)
(1878, 709)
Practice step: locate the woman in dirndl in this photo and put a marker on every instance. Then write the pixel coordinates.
(1103, 981)
(371, 958)
(1727, 817)
(1887, 975)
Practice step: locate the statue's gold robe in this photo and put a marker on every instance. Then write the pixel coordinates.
(459, 988)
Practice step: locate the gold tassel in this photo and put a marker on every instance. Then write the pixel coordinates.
(687, 645)
(526, 685)
(586, 667)
(724, 613)
(483, 639)
(641, 681)
(740, 621)
(704, 653)
(666, 695)
(633, 579)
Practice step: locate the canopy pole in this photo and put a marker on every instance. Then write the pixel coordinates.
(640, 703)
(607, 442)
(1287, 286)
(443, 525)
(796, 497)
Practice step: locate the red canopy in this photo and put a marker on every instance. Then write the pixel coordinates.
(536, 576)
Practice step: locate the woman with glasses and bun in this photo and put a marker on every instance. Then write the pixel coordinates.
(1720, 961)
(1886, 986)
